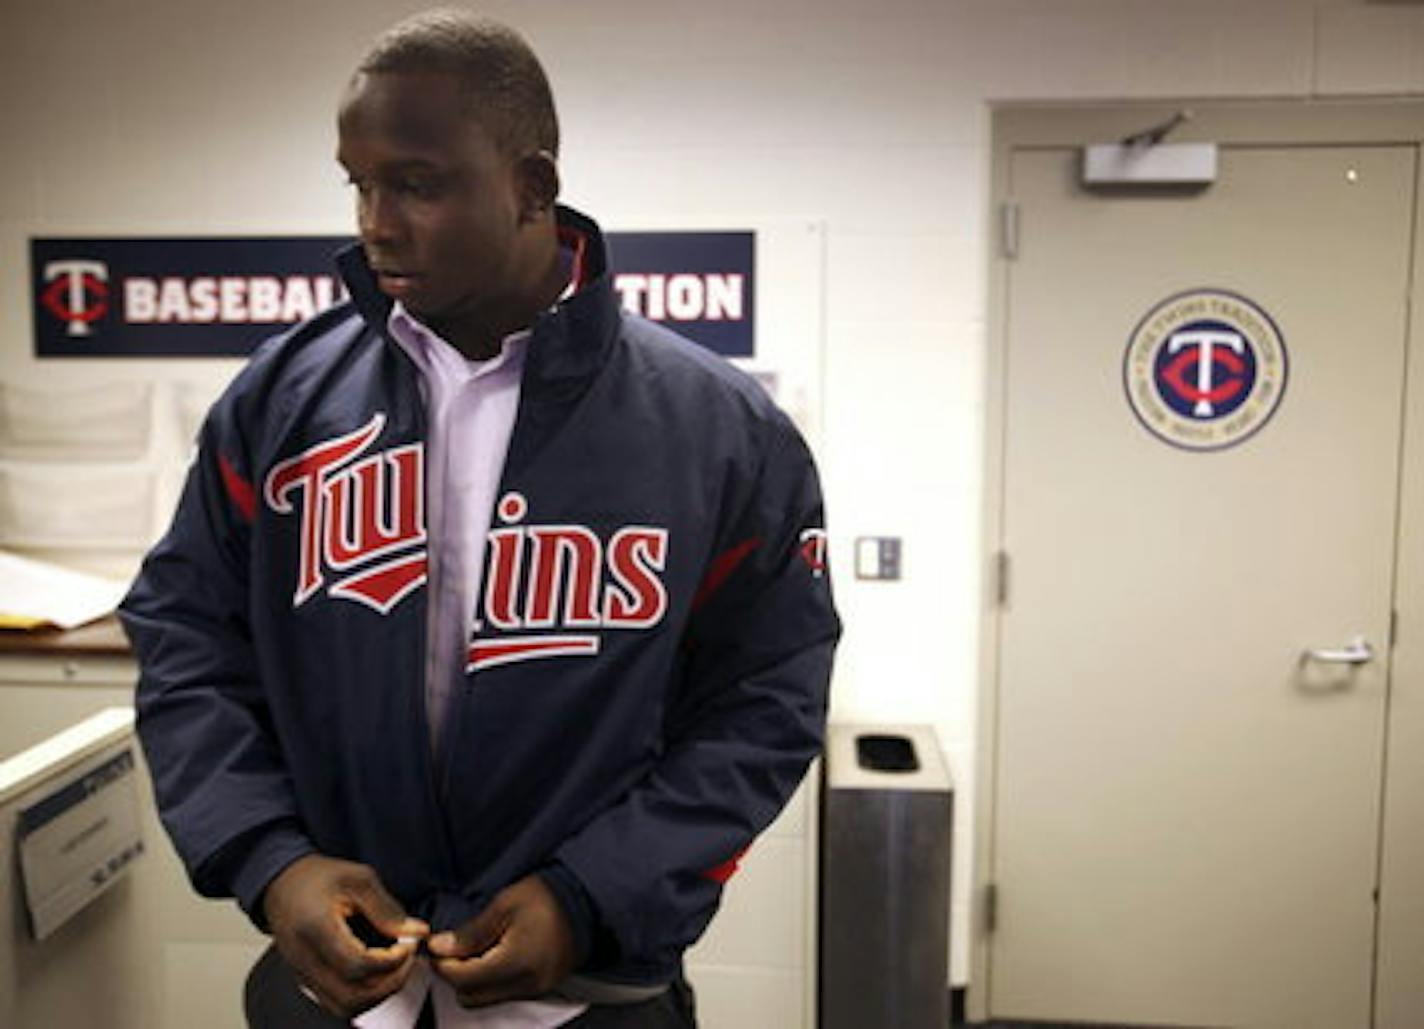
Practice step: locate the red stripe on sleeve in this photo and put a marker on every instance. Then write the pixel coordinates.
(727, 868)
(239, 490)
(721, 569)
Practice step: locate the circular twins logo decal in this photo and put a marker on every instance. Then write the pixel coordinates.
(1205, 369)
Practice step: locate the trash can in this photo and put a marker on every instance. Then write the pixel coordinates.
(886, 822)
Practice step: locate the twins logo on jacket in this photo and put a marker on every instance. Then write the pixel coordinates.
(362, 538)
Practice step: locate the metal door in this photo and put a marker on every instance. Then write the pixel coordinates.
(1187, 806)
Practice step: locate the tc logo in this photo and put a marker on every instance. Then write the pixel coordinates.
(1205, 369)
(1222, 368)
(77, 293)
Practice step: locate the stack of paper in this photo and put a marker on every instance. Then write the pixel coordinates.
(35, 593)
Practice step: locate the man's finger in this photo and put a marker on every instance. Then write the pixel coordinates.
(520, 946)
(471, 938)
(501, 973)
(384, 912)
(346, 997)
(338, 949)
(311, 905)
(372, 992)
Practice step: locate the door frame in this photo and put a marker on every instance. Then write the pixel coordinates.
(1230, 123)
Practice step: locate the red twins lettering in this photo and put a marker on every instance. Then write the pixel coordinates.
(614, 586)
(506, 555)
(565, 577)
(362, 518)
(366, 518)
(353, 512)
(637, 599)
(564, 558)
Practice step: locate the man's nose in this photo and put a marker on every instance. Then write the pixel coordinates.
(379, 218)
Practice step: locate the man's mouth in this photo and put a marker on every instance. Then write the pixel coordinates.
(395, 281)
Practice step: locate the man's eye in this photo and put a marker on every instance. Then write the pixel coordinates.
(421, 189)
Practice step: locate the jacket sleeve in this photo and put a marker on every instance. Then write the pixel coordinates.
(745, 722)
(218, 773)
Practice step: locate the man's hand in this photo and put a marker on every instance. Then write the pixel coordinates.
(519, 947)
(308, 908)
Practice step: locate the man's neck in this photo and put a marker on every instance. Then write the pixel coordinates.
(481, 338)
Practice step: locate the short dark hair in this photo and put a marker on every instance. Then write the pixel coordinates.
(506, 86)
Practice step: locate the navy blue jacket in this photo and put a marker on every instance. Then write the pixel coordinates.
(647, 669)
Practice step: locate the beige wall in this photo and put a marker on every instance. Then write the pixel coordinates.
(204, 117)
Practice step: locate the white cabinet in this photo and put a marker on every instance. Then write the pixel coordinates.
(150, 954)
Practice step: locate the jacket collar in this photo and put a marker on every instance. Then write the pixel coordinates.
(569, 342)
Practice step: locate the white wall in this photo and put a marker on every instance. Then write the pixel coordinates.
(203, 117)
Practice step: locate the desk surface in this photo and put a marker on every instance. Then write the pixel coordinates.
(104, 637)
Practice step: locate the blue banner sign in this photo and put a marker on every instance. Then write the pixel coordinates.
(697, 283)
(175, 297)
(185, 297)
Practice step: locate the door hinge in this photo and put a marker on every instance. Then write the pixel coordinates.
(1393, 629)
(1001, 578)
(1009, 226)
(991, 907)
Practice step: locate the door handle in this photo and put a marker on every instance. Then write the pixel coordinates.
(1357, 652)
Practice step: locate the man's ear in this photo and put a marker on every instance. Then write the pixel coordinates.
(539, 185)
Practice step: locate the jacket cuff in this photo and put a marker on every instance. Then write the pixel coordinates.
(250, 862)
(577, 907)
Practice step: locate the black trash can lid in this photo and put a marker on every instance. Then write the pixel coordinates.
(886, 756)
(881, 752)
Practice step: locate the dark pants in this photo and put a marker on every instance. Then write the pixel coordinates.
(273, 1000)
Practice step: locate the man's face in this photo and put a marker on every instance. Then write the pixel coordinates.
(439, 207)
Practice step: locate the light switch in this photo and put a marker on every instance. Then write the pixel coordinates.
(877, 557)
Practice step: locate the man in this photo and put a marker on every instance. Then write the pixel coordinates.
(493, 624)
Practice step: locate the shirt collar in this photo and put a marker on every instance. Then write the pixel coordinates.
(426, 347)
(432, 353)
(570, 343)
